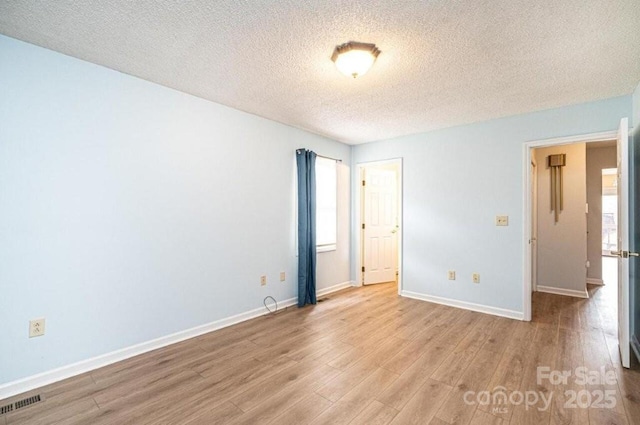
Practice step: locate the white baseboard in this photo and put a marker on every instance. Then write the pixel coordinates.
(635, 345)
(594, 281)
(334, 288)
(45, 378)
(562, 291)
(511, 314)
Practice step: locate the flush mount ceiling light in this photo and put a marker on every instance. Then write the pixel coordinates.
(354, 59)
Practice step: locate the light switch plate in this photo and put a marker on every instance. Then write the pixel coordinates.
(502, 220)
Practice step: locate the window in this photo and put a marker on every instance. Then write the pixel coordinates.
(326, 204)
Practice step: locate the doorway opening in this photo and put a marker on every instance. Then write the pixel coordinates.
(573, 212)
(379, 215)
(559, 225)
(537, 206)
(609, 211)
(607, 295)
(620, 137)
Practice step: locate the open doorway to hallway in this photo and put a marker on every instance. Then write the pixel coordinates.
(573, 217)
(571, 279)
(571, 251)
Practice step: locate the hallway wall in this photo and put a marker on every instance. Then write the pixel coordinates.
(562, 245)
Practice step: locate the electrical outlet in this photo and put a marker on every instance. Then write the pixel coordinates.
(452, 275)
(502, 220)
(282, 277)
(263, 280)
(476, 277)
(36, 327)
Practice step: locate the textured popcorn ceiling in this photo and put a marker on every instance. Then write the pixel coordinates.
(443, 62)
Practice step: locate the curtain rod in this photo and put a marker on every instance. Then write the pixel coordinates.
(322, 156)
(328, 157)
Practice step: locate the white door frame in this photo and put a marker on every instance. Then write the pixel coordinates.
(358, 218)
(534, 222)
(526, 178)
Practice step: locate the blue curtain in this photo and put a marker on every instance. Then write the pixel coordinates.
(306, 161)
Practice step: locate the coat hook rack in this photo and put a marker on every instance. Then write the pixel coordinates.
(555, 163)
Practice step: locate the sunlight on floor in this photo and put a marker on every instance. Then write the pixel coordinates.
(610, 271)
(606, 296)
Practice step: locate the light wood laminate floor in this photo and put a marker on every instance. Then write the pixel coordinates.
(363, 356)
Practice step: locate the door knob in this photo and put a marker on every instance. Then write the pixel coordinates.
(625, 254)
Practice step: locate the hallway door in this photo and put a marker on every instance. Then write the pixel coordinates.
(623, 254)
(634, 237)
(380, 225)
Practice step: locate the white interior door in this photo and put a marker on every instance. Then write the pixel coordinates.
(380, 225)
(623, 242)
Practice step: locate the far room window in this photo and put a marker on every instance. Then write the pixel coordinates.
(326, 204)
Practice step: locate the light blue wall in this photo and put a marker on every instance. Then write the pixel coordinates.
(455, 181)
(129, 211)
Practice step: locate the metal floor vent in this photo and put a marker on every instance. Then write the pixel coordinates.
(20, 404)
(6, 409)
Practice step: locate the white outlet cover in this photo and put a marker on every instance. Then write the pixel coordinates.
(36, 327)
(502, 220)
(451, 275)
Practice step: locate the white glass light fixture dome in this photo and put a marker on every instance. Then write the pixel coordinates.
(354, 59)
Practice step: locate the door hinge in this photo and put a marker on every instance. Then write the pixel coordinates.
(364, 183)
(362, 226)
(362, 269)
